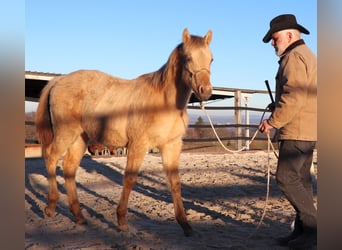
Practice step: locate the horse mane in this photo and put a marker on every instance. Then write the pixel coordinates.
(159, 78)
(171, 68)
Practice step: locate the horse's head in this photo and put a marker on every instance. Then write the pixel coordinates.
(197, 58)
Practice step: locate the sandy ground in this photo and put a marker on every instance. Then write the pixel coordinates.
(224, 197)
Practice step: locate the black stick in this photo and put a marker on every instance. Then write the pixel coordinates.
(269, 90)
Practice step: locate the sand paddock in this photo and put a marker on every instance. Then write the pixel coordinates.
(224, 198)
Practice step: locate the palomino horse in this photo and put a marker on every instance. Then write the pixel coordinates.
(143, 113)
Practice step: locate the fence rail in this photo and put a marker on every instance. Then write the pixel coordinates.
(228, 108)
(32, 123)
(223, 126)
(246, 126)
(242, 130)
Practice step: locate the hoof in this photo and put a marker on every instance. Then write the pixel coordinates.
(49, 211)
(123, 228)
(187, 230)
(81, 222)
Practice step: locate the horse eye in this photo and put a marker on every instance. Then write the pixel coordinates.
(212, 59)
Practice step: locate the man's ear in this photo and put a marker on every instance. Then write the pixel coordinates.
(289, 36)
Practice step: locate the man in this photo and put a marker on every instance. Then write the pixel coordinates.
(295, 116)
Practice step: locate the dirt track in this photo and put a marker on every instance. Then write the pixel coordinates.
(224, 197)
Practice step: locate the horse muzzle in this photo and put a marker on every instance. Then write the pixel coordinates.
(204, 92)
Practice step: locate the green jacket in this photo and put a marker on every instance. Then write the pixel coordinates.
(295, 113)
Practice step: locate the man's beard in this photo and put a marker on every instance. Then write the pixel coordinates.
(278, 51)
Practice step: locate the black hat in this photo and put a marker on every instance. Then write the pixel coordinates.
(283, 22)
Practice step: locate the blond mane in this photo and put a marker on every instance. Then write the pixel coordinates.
(168, 71)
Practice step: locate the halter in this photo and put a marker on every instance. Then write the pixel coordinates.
(194, 73)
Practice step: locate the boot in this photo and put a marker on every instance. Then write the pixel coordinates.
(284, 241)
(298, 230)
(307, 239)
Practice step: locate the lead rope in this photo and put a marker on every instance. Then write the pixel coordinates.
(218, 138)
(269, 146)
(267, 187)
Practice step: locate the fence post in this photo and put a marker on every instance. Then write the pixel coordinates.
(246, 99)
(238, 117)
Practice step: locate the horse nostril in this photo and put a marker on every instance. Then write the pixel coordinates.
(205, 92)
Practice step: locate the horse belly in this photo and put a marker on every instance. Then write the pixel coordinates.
(106, 131)
(114, 138)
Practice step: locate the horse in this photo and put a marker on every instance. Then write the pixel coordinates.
(147, 112)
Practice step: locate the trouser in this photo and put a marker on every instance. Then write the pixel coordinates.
(294, 179)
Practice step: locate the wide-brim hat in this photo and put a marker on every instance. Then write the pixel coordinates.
(283, 22)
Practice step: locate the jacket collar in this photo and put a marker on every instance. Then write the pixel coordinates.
(291, 47)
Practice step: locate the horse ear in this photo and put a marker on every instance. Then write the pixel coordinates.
(186, 35)
(208, 37)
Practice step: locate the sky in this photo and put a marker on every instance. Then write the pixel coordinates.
(132, 37)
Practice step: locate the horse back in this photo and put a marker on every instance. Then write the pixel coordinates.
(114, 111)
(83, 100)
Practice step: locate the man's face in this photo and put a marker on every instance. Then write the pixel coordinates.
(280, 41)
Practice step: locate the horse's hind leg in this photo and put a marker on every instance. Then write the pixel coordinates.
(52, 154)
(134, 160)
(53, 196)
(170, 155)
(70, 164)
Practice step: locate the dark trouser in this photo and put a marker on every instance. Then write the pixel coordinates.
(294, 179)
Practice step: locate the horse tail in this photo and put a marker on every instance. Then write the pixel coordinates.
(43, 117)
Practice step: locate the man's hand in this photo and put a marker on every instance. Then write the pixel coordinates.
(271, 106)
(265, 127)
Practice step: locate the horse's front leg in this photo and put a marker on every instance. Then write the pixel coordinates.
(134, 159)
(170, 156)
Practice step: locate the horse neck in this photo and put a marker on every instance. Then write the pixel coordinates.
(176, 90)
(183, 93)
